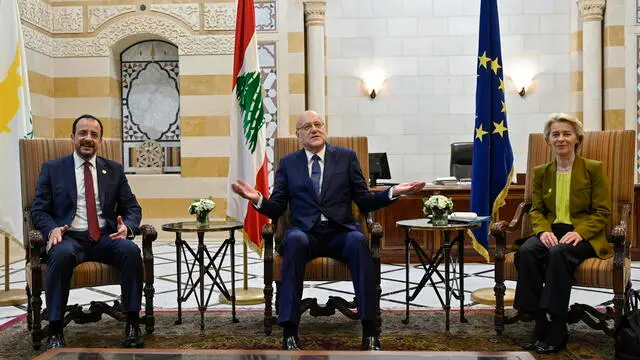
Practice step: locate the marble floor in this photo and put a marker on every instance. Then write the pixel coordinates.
(393, 284)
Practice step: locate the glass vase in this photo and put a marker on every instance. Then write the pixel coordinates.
(440, 218)
(202, 219)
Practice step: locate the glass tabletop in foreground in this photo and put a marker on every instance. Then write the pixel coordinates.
(425, 223)
(184, 354)
(190, 226)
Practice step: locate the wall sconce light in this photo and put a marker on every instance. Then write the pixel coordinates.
(521, 73)
(522, 82)
(373, 83)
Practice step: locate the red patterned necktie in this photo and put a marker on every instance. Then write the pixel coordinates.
(89, 195)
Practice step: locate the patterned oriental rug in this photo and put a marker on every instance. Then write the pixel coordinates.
(425, 332)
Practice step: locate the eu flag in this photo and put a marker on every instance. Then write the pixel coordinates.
(492, 154)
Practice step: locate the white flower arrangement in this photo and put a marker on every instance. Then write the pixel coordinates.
(200, 208)
(437, 204)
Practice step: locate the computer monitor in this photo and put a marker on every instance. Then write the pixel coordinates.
(378, 167)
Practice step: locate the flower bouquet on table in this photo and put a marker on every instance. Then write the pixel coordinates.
(439, 207)
(201, 209)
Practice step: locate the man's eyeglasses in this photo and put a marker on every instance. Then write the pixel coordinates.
(307, 127)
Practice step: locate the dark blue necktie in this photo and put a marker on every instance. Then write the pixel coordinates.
(315, 173)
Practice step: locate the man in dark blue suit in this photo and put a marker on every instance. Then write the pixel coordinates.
(319, 184)
(85, 209)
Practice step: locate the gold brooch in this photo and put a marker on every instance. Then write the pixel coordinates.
(105, 171)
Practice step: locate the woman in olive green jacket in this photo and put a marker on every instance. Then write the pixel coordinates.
(571, 207)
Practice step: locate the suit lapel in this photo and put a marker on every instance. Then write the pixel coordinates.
(303, 167)
(70, 172)
(550, 185)
(101, 173)
(577, 179)
(329, 167)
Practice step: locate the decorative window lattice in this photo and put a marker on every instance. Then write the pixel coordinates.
(150, 102)
(266, 15)
(268, 72)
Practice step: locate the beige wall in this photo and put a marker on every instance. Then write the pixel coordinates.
(73, 65)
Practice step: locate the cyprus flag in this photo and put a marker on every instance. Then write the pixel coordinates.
(15, 116)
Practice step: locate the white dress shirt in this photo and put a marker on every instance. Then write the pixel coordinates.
(79, 222)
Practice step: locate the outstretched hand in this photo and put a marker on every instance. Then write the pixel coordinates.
(245, 190)
(408, 188)
(122, 230)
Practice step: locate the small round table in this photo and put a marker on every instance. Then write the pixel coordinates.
(430, 263)
(182, 247)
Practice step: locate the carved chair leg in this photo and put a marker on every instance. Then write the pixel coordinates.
(499, 291)
(36, 308)
(150, 320)
(378, 310)
(268, 313)
(29, 314)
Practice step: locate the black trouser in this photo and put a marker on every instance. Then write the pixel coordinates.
(545, 275)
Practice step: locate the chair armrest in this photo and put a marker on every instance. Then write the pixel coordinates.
(619, 232)
(500, 229)
(375, 230)
(149, 235)
(36, 242)
(268, 231)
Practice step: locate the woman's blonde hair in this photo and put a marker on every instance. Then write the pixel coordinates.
(566, 118)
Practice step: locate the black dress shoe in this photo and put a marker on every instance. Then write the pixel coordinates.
(371, 343)
(132, 337)
(291, 343)
(545, 348)
(55, 341)
(532, 345)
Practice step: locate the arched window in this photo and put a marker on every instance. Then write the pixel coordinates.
(150, 102)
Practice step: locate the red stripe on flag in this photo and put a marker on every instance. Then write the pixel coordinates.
(245, 29)
(254, 221)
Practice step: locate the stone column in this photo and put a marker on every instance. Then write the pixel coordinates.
(576, 107)
(613, 67)
(314, 24)
(592, 12)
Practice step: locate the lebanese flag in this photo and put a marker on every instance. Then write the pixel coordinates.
(248, 134)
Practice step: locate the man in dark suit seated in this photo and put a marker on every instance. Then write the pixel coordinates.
(85, 209)
(319, 183)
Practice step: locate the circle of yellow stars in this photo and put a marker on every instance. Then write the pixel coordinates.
(498, 128)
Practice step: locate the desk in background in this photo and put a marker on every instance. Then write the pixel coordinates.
(409, 207)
